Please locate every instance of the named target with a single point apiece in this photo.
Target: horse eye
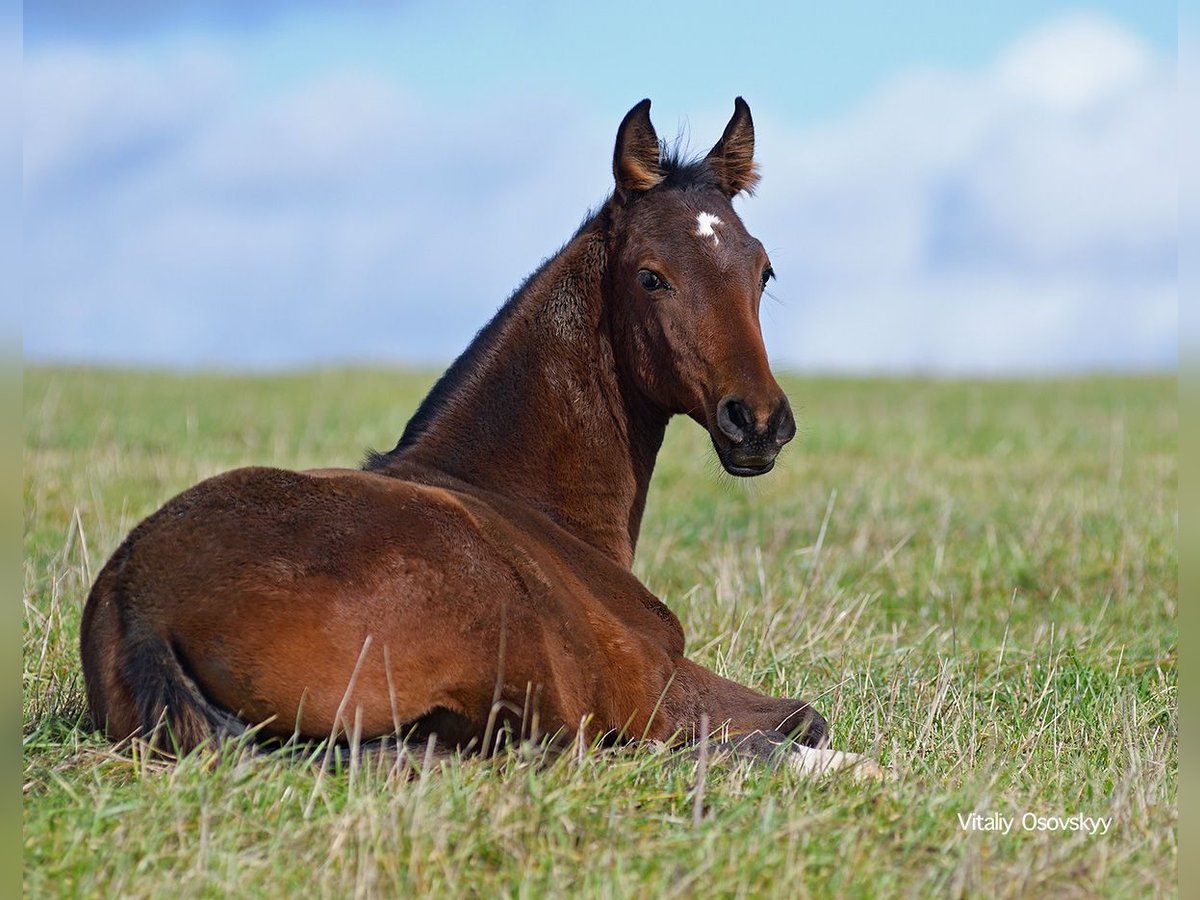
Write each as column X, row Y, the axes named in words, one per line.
column 768, row 274
column 650, row 281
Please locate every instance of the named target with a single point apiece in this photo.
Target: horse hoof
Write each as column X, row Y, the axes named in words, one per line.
column 812, row 762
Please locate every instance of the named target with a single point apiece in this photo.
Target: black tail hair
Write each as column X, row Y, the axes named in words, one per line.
column 173, row 712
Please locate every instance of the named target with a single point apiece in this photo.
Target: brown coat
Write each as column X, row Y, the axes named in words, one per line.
column 475, row 580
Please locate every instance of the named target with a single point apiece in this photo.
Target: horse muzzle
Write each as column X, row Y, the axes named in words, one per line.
column 748, row 436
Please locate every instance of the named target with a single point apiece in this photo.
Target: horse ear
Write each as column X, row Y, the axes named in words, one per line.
column 636, row 158
column 733, row 155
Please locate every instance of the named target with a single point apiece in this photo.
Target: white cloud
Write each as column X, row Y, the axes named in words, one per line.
column 1019, row 217
column 346, row 220
column 89, row 111
column 1074, row 63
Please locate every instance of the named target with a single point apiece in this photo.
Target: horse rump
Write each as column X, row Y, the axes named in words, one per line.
column 137, row 682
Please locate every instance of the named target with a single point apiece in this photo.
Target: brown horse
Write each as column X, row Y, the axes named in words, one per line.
column 474, row 582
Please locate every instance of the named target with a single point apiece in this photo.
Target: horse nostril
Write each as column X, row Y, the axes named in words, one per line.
column 734, row 418
column 785, row 430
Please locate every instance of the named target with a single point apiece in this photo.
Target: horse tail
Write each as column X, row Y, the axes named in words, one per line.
column 171, row 708
column 137, row 681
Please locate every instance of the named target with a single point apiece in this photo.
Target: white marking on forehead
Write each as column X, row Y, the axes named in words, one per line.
column 704, row 226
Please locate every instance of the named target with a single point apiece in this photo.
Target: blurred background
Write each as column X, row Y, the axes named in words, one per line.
column 980, row 189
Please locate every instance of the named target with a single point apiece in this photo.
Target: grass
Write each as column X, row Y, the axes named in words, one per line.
column 976, row 580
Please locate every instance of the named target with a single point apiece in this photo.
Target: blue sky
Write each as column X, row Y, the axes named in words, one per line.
column 947, row 187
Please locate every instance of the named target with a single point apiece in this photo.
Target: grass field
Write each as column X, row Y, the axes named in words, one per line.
column 976, row 580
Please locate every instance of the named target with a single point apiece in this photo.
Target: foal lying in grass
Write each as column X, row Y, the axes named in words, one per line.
column 474, row 582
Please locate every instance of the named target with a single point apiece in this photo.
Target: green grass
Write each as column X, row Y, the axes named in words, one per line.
column 976, row 580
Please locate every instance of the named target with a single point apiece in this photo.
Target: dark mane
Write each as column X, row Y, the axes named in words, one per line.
column 467, row 362
column 680, row 172
column 445, row 386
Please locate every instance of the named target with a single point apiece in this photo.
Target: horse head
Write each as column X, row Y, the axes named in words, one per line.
column 685, row 280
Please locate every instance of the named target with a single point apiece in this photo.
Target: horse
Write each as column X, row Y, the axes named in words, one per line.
column 474, row 583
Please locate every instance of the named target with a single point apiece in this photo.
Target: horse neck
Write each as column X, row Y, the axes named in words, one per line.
column 539, row 410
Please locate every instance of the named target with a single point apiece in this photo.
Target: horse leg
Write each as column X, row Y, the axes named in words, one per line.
column 734, row 709
column 780, row 731
column 779, row 751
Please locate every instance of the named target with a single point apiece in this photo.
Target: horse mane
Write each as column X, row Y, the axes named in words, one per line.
column 447, row 385
column 680, row 172
column 461, row 370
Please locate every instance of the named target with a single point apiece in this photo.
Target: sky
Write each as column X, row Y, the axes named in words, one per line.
column 947, row 188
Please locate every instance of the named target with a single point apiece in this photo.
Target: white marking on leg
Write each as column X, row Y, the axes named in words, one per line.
column 811, row 761
column 704, row 226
